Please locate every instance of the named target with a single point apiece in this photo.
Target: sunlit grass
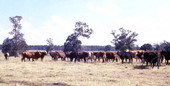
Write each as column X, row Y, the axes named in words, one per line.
column 16, row 73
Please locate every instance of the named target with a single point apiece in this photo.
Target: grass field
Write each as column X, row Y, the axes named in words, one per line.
column 49, row 73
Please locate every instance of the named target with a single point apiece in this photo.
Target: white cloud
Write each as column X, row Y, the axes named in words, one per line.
column 164, row 13
column 56, row 28
column 91, row 6
column 3, row 34
column 108, row 9
column 101, row 35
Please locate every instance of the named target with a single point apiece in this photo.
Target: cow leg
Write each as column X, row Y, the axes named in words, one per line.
column 103, row 59
column 75, row 59
column 71, row 59
column 167, row 62
column 94, row 58
column 85, row 59
column 78, row 59
column 158, row 63
column 91, row 60
column 23, row 59
column 122, row 60
column 98, row 59
column 56, row 58
column 41, row 58
column 132, row 59
column 147, row 63
column 125, row 59
column 6, row 58
column 162, row 58
column 116, row 59
column 32, row 59
column 64, row 59
column 153, row 65
column 107, row 59
column 129, row 60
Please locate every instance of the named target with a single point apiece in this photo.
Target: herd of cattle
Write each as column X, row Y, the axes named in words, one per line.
column 149, row 57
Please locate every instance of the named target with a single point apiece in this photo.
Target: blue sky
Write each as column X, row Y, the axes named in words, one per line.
column 55, row 19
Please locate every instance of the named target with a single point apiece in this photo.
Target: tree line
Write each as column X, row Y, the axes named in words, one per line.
column 61, row 47
column 122, row 40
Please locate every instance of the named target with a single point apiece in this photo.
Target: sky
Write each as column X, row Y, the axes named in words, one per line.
column 55, row 19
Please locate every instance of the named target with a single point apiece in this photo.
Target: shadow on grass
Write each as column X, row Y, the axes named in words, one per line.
column 35, row 84
column 61, row 84
column 141, row 67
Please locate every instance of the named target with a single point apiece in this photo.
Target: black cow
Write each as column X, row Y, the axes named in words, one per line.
column 166, row 54
column 126, row 56
column 72, row 55
column 6, row 55
column 152, row 58
column 78, row 56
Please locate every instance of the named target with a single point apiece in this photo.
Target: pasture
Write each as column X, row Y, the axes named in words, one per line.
column 64, row 73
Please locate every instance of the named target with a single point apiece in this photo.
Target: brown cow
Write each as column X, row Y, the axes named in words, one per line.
column 110, row 55
column 58, row 54
column 33, row 55
column 100, row 55
column 90, row 56
column 82, row 55
column 61, row 55
column 40, row 54
column 28, row 55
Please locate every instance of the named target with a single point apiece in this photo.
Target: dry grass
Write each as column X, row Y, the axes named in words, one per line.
column 49, row 73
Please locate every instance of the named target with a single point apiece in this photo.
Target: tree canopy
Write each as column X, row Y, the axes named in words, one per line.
column 165, row 46
column 72, row 42
column 124, row 40
column 16, row 44
column 107, row 48
column 146, row 46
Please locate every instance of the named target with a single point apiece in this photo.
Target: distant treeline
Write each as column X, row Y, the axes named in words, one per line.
column 58, row 47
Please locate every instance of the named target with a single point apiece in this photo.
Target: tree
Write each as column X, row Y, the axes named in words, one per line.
column 50, row 45
column 72, row 42
column 146, row 47
column 125, row 40
column 156, row 47
column 165, row 46
column 107, row 48
column 17, row 44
